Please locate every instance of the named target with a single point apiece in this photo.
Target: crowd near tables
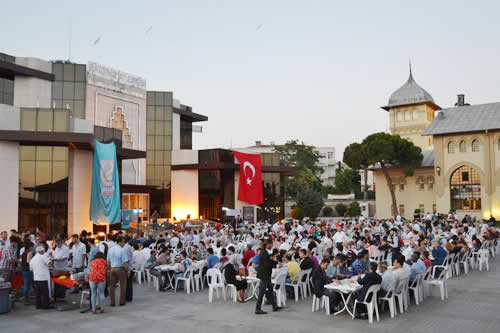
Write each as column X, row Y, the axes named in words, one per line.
column 346, row 266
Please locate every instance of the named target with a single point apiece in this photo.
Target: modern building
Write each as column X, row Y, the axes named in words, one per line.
column 461, row 154
column 205, row 184
column 327, row 160
column 51, row 111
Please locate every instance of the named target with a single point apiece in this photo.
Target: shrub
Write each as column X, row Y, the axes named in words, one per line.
column 340, row 208
column 297, row 213
column 327, row 211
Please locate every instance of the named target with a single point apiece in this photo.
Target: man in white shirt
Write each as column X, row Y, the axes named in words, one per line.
column 61, row 255
column 339, row 237
column 284, row 245
column 79, row 251
column 39, row 265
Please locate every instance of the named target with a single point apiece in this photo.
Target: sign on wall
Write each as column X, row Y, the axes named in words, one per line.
column 249, row 213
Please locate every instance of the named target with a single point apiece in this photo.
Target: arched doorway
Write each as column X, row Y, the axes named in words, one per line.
column 465, row 189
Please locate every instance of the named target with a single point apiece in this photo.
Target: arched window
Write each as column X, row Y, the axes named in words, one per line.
column 451, row 147
column 462, row 146
column 475, row 145
column 465, row 189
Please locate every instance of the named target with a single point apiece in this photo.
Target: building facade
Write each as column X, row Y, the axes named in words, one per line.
column 461, row 153
column 51, row 113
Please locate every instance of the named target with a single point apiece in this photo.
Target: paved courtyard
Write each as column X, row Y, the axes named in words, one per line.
column 473, row 306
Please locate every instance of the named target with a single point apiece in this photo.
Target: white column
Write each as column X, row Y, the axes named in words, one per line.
column 79, row 189
column 9, row 180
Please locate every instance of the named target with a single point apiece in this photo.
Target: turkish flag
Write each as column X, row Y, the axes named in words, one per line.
column 250, row 188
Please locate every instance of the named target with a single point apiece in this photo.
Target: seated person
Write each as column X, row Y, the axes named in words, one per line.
column 417, row 266
column 230, row 276
column 427, row 260
column 387, row 279
column 371, row 278
column 359, row 265
column 212, row 259
column 223, row 255
column 344, row 272
column 293, row 268
column 185, row 263
column 319, row 280
column 252, row 269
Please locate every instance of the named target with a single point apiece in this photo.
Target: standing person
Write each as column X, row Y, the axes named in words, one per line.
column 97, row 281
column 264, row 272
column 395, row 243
column 131, row 263
column 25, row 269
column 39, row 265
column 118, row 270
column 79, row 251
column 8, row 261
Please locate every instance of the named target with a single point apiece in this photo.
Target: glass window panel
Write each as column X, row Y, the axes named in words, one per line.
column 28, row 119
column 1, row 98
column 150, row 157
column 8, row 86
column 43, row 172
column 68, row 90
column 79, row 109
column 158, row 172
column 69, row 72
column 168, row 128
column 1, row 84
column 68, row 104
column 168, row 143
column 150, row 173
column 8, row 99
column 57, row 90
column 59, row 170
column 57, row 103
column 168, row 113
column 150, row 113
column 169, row 98
column 150, row 127
column 159, row 98
column 27, row 153
column 43, row 153
column 60, row 154
column 80, row 73
column 159, row 158
column 45, row 120
column 61, row 120
column 80, row 90
column 150, row 98
column 108, row 134
column 159, row 142
column 159, row 127
column 167, row 171
column 57, row 70
column 27, row 173
column 167, row 157
column 159, row 112
column 150, row 142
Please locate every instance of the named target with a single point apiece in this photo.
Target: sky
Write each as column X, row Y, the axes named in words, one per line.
column 274, row 70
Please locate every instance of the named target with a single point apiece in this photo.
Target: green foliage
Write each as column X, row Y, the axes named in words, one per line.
column 327, row 211
column 310, row 201
column 297, row 213
column 354, row 209
column 346, row 181
column 327, row 189
column 298, row 155
column 305, row 179
column 417, row 211
column 341, row 209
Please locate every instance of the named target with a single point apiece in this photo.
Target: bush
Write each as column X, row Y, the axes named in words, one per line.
column 328, row 211
column 310, row 201
column 297, row 213
column 354, row 209
column 340, row 209
column 417, row 211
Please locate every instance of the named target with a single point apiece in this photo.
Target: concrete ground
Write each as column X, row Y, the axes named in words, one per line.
column 473, row 306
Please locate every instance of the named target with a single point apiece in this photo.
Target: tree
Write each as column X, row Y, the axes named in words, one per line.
column 386, row 150
column 340, row 208
column 356, row 158
column 354, row 209
column 327, row 211
column 310, row 201
column 297, row 213
column 345, row 180
column 270, row 209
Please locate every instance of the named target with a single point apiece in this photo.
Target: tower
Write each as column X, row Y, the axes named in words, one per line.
column 411, row 110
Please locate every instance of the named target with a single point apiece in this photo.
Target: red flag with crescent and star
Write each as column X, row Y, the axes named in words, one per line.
column 250, row 187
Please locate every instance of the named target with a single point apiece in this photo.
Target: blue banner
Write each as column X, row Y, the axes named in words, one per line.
column 105, row 200
column 127, row 216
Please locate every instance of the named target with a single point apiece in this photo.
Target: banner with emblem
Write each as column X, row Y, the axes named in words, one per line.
column 250, row 187
column 105, row 203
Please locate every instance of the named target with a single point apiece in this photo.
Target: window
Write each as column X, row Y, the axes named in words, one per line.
column 402, row 210
column 465, row 189
column 330, row 155
column 422, row 208
column 421, row 185
column 462, row 146
column 475, row 145
column 451, row 147
column 431, row 186
column 401, row 187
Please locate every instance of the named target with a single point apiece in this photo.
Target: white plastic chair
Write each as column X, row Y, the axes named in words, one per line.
column 280, row 289
column 439, row 282
column 464, row 262
column 306, row 283
column 214, row 278
column 323, row 302
column 483, row 258
column 370, row 305
column 187, row 277
column 140, row 274
column 415, row 286
column 401, row 293
column 297, row 285
column 198, row 277
column 390, row 298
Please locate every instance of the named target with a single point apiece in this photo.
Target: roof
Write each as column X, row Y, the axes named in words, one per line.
column 471, row 118
column 408, row 94
column 427, row 161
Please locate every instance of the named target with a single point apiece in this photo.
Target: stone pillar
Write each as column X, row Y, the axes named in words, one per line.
column 9, row 178
column 80, row 164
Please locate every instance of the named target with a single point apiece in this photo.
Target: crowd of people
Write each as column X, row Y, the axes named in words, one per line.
column 368, row 251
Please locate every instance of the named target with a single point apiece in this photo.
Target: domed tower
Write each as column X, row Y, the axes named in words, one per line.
column 411, row 110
